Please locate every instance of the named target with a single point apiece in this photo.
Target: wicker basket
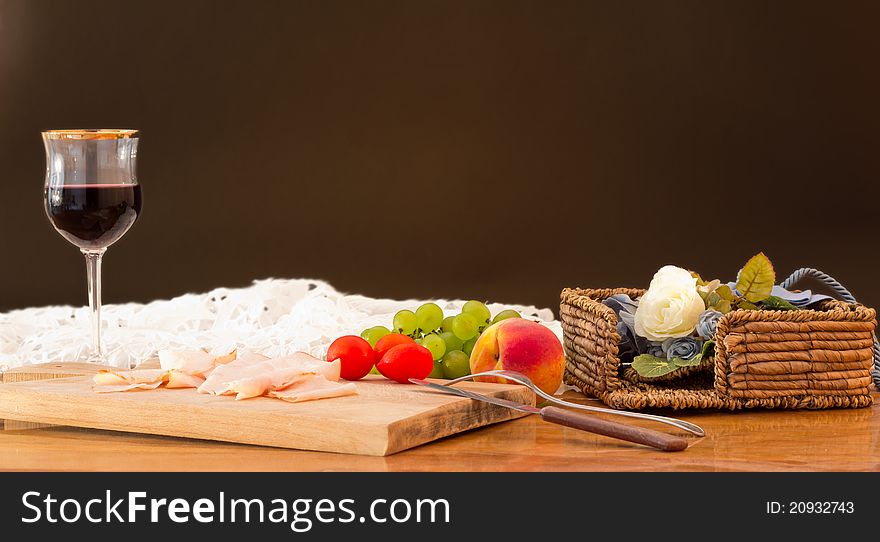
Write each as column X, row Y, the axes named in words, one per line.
column 816, row 358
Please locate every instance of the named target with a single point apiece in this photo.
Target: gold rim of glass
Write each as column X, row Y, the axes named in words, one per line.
column 95, row 133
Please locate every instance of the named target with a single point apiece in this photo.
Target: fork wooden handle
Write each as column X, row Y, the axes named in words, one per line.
column 600, row 426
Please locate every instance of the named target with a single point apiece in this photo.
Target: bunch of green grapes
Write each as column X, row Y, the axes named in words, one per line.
column 450, row 339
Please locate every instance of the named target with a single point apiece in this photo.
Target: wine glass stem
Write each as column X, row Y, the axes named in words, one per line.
column 93, row 271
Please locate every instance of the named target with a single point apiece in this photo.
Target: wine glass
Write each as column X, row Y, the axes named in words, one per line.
column 92, row 199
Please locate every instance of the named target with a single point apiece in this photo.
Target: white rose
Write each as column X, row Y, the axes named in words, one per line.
column 671, row 307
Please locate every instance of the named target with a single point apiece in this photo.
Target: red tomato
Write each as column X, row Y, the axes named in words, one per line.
column 406, row 361
column 356, row 356
column 388, row 342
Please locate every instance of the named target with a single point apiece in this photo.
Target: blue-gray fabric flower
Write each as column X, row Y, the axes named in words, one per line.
column 621, row 302
column 707, row 323
column 682, row 347
column 625, row 307
column 656, row 349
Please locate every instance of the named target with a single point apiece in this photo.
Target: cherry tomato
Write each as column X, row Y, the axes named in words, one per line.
column 388, row 342
column 405, row 361
column 356, row 356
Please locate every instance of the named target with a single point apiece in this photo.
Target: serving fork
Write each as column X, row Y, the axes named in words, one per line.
column 525, row 381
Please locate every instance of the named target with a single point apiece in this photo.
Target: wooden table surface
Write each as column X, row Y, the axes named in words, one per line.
column 838, row 440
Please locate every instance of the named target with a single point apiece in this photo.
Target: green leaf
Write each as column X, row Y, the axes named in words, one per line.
column 757, row 278
column 726, row 293
column 778, row 304
column 688, row 362
column 651, row 366
column 722, row 306
column 712, row 299
column 708, row 349
column 746, row 305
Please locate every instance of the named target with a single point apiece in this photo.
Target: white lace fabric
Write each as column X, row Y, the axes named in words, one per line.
column 274, row 317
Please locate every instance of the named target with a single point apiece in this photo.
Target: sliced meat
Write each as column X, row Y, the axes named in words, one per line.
column 217, row 382
column 294, row 378
column 193, row 362
column 178, row 379
column 126, row 387
column 135, row 376
column 109, row 380
column 279, row 373
column 313, row 387
column 250, row 377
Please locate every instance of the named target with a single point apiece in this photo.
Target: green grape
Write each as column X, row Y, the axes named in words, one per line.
column 464, row 326
column 504, row 315
column 447, row 323
column 405, row 322
column 435, row 344
column 479, row 311
column 429, row 317
column 437, row 371
column 373, row 334
column 375, row 371
column 452, row 342
column 456, row 364
column 468, row 346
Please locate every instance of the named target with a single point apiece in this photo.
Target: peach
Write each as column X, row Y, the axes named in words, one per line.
column 520, row 345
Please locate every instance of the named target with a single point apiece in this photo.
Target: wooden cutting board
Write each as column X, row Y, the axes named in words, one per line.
column 384, row 418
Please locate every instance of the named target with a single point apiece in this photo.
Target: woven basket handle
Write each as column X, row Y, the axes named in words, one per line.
column 844, row 295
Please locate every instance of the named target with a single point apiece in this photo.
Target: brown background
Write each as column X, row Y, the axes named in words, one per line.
column 497, row 150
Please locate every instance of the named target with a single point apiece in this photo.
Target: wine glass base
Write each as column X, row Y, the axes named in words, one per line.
column 98, row 359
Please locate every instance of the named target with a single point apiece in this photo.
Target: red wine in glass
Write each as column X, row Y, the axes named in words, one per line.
column 93, row 216
column 92, row 197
